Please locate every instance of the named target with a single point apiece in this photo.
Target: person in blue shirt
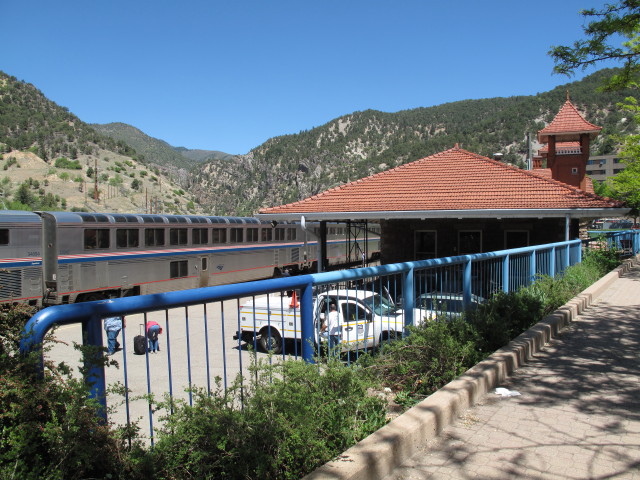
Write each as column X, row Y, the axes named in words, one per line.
column 113, row 325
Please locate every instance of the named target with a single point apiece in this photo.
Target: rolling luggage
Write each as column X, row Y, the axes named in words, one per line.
column 139, row 343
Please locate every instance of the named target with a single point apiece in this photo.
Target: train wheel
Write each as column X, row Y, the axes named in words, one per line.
column 271, row 341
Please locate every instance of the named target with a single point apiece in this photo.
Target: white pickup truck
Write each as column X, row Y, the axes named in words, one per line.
column 366, row 319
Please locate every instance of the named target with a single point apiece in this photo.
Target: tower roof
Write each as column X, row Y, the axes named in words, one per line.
column 567, row 126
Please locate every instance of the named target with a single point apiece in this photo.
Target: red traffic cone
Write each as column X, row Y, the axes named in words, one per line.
column 294, row 300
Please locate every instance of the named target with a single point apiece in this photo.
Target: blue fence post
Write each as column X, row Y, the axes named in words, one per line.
column 466, row 283
column 92, row 336
column 306, row 323
column 505, row 274
column 552, row 263
column 408, row 295
column 578, row 247
column 532, row 267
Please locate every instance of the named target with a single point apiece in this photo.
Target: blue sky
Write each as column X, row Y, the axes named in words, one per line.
column 206, row 74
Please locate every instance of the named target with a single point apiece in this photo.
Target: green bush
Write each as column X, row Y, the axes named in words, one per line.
column 503, row 317
column 432, row 355
column 289, row 419
column 49, row 429
column 64, row 162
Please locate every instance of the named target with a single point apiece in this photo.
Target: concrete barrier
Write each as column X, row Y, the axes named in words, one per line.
column 377, row 455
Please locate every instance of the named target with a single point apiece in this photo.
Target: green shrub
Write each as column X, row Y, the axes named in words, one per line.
column 64, row 162
column 289, row 419
column 49, row 429
column 432, row 355
column 503, row 317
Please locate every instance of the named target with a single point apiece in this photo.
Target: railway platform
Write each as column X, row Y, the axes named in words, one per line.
column 571, row 409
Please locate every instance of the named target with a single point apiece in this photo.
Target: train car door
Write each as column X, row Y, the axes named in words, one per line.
column 204, row 272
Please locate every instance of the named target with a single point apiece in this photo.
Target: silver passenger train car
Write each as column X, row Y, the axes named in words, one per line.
column 49, row 258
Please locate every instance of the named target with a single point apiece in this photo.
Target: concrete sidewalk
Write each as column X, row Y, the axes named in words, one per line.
column 577, row 415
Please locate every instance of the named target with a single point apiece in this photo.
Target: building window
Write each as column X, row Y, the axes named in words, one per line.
column 178, row 269
column 219, row 235
column 236, row 235
column 252, row 234
column 4, row 236
column 154, row 237
column 469, row 241
column 95, row 238
column 127, row 237
column 618, row 170
column 426, row 242
column 200, row 236
column 516, row 239
column 596, row 172
column 267, row 234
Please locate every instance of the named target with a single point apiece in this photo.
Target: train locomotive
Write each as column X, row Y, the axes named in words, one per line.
column 50, row 258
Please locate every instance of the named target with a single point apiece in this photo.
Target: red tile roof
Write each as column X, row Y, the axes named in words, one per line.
column 455, row 179
column 567, row 125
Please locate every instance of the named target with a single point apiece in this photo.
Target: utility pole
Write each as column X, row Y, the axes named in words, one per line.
column 95, row 178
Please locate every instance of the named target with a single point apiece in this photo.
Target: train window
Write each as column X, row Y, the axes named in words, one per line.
column 204, row 264
column 291, row 233
column 127, row 237
column 219, row 235
column 267, row 234
column 177, row 236
column 4, row 236
column 178, row 269
column 154, row 237
column 96, row 238
column 279, row 233
column 236, row 235
column 200, row 236
column 252, row 234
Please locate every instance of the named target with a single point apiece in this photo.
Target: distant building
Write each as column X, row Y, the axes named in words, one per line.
column 602, row 167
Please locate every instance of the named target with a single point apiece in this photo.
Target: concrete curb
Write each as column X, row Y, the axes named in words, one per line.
column 378, row 454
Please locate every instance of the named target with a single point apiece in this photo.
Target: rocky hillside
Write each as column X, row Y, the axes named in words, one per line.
column 292, row 167
column 49, row 155
column 49, row 159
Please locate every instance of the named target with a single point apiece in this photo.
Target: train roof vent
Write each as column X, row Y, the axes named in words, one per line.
column 234, row 220
column 252, row 220
column 217, row 219
column 195, row 219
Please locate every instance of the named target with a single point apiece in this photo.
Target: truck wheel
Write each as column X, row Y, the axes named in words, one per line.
column 271, row 341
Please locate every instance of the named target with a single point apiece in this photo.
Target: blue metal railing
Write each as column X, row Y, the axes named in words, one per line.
column 199, row 323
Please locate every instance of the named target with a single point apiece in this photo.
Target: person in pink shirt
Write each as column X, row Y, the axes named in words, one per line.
column 153, row 330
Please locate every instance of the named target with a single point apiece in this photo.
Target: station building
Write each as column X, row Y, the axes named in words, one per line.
column 458, row 202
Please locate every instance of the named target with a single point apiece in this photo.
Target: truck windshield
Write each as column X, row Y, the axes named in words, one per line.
column 380, row 305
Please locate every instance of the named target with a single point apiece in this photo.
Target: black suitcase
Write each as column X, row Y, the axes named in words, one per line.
column 139, row 343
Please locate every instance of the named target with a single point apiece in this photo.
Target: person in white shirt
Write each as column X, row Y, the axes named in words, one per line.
column 332, row 327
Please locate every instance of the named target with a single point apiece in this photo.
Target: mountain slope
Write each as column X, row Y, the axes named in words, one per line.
column 292, row 167
column 50, row 157
column 152, row 149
